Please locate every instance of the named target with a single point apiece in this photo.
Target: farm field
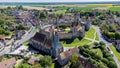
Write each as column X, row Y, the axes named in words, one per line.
column 114, row 8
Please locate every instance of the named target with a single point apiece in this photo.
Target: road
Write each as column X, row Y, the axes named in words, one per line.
column 107, row 43
column 31, row 33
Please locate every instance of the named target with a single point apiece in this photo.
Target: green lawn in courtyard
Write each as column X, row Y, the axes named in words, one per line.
column 90, row 33
column 98, row 51
column 97, row 38
column 79, row 8
column 116, row 53
column 53, row 65
column 75, row 42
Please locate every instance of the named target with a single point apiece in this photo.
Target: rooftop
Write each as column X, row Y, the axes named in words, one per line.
column 69, row 52
column 8, row 63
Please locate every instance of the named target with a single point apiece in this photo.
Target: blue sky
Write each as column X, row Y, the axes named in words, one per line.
column 55, row 0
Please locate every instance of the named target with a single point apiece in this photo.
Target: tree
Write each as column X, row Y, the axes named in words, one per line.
column 96, row 44
column 21, row 27
column 42, row 15
column 112, row 64
column 77, row 64
column 117, row 35
column 74, row 57
column 46, row 61
column 105, row 60
column 37, row 65
column 102, row 43
column 20, row 7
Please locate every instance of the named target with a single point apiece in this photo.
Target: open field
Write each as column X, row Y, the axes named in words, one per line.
column 90, row 33
column 38, row 8
column 75, row 7
column 59, row 12
column 116, row 53
column 28, row 7
column 104, row 5
column 114, row 8
column 75, row 42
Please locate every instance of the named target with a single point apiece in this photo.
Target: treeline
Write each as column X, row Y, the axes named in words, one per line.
column 106, row 61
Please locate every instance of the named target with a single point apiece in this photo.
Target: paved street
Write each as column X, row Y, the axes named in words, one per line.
column 5, row 51
column 31, row 33
column 26, row 37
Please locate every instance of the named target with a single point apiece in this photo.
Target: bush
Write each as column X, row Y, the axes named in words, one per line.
column 102, row 43
column 117, row 35
column 104, row 60
column 112, row 64
column 46, row 61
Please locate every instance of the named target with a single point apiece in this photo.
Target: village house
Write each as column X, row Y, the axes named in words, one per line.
column 31, row 61
column 2, row 37
column 64, row 57
column 117, row 45
column 19, row 34
column 9, row 63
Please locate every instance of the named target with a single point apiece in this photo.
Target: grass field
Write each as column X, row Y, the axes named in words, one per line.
column 90, row 33
column 116, row 53
column 97, row 38
column 75, row 7
column 59, row 12
column 98, row 51
column 75, row 42
column 114, row 8
column 106, row 5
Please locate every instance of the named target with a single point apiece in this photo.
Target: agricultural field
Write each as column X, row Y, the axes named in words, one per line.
column 114, row 8
column 104, row 5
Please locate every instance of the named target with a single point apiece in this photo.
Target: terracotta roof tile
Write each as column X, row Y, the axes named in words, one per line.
column 31, row 61
column 8, row 63
column 69, row 52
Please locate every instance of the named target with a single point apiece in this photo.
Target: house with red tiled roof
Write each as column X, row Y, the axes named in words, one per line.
column 31, row 61
column 9, row 63
column 2, row 37
column 64, row 57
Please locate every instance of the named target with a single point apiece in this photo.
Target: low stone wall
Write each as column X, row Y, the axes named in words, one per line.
column 69, row 35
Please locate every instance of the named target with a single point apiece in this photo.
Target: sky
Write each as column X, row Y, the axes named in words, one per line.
column 55, row 0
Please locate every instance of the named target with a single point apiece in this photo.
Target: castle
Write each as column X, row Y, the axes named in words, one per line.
column 47, row 39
